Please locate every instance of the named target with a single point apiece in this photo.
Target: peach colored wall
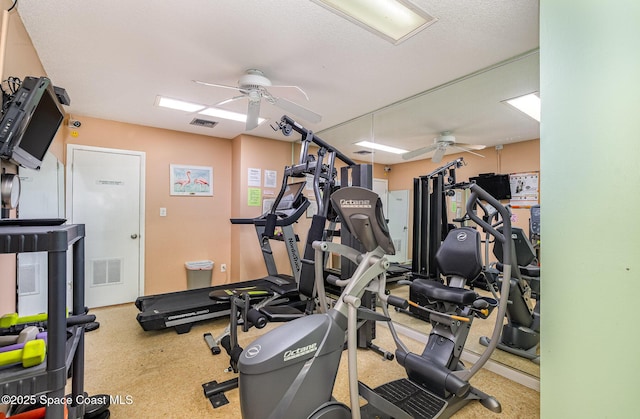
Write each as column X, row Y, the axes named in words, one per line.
column 195, row 228
column 264, row 154
column 20, row 60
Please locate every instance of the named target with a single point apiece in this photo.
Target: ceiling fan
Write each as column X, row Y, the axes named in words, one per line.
column 440, row 145
column 253, row 86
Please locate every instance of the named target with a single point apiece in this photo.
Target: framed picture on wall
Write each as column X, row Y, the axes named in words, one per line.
column 191, row 180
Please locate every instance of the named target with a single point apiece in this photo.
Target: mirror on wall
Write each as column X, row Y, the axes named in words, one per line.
column 472, row 109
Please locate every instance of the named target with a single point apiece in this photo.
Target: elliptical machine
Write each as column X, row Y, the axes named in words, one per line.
column 290, row 371
column 521, row 334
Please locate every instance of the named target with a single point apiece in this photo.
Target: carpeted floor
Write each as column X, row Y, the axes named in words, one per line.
column 160, row 374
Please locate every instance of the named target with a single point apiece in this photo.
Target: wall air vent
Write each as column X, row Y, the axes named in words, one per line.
column 362, row 152
column 203, row 123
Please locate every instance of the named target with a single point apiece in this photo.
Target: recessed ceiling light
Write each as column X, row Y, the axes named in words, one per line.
column 528, row 104
column 381, row 147
column 393, row 20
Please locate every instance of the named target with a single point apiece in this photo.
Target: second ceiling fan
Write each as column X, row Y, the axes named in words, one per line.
column 440, row 145
column 253, row 86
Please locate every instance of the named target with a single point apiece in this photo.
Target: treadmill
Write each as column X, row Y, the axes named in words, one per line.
column 183, row 308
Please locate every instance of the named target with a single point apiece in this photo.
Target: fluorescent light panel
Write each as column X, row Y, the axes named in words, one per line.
column 528, row 104
column 233, row 116
column 381, row 147
column 394, row 20
column 181, row 105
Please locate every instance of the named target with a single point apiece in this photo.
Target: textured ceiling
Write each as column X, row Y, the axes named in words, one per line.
column 115, row 57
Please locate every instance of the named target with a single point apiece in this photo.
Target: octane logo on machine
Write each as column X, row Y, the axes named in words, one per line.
column 355, row 203
column 295, row 353
column 252, row 351
column 462, row 236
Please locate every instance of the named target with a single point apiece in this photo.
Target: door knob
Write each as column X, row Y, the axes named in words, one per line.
column 134, row 236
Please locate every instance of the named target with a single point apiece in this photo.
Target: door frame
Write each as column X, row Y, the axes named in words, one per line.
column 405, row 221
column 385, row 201
column 141, row 217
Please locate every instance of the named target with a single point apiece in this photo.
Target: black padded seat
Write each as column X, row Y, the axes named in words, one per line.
column 459, row 254
column 282, row 285
column 434, row 290
column 283, row 313
column 529, row 270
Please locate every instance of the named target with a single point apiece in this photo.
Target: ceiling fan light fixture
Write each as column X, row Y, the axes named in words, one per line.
column 393, row 20
column 528, row 104
column 381, row 147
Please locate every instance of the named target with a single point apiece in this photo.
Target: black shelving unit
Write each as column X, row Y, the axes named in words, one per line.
column 49, row 378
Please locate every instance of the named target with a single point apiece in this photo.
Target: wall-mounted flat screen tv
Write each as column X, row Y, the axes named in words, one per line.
column 30, row 122
column 496, row 185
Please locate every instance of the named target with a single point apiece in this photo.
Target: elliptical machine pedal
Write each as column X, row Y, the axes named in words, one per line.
column 411, row 400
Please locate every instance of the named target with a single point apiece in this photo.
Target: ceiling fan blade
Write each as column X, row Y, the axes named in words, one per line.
column 471, row 146
column 216, row 85
column 224, row 102
column 437, row 156
column 467, row 150
column 415, row 153
column 252, row 114
column 292, row 87
column 298, row 110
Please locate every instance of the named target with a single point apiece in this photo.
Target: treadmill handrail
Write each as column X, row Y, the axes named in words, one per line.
column 281, row 221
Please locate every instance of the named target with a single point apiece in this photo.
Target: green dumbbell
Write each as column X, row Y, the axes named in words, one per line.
column 32, row 354
column 12, row 319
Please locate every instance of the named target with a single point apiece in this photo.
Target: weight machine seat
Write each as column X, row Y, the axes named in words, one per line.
column 459, row 256
column 283, row 313
column 434, row 290
column 282, row 285
column 529, row 270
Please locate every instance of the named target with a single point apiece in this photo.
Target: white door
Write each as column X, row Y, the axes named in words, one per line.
column 399, row 224
column 41, row 196
column 106, row 193
column 381, row 187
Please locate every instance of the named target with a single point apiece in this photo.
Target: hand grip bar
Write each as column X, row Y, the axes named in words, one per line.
column 397, row 302
column 478, row 193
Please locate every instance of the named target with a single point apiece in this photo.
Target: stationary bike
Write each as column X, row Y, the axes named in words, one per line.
column 290, row 371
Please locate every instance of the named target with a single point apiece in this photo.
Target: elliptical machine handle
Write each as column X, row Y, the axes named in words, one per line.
column 478, row 193
column 397, row 302
column 508, row 256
